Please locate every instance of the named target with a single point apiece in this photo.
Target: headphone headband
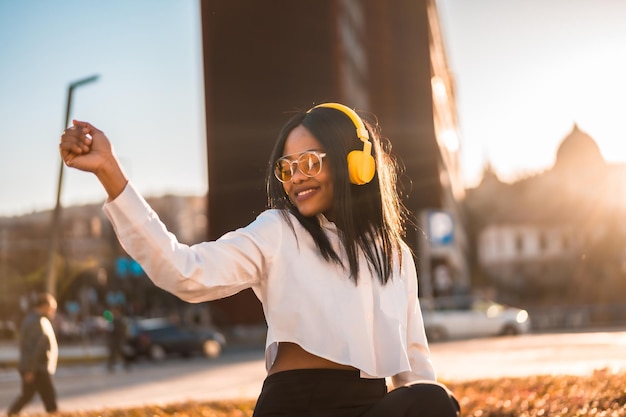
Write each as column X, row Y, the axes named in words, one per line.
column 361, row 131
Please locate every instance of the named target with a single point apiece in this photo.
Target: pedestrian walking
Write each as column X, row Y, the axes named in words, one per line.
column 38, row 355
column 116, row 339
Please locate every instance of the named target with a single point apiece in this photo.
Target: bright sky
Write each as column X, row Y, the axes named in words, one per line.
column 148, row 99
column 525, row 71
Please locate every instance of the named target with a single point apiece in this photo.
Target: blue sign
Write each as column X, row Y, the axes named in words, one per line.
column 116, row 298
column 440, row 228
column 127, row 266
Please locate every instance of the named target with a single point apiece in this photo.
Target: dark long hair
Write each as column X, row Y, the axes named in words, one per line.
column 370, row 216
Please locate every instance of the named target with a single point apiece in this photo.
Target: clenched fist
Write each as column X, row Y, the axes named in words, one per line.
column 87, row 148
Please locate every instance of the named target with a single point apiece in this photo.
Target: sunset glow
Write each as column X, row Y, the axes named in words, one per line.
column 519, row 92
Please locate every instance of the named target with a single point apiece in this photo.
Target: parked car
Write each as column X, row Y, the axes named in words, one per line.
column 158, row 338
column 465, row 317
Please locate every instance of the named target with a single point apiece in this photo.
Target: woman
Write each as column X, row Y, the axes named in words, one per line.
column 327, row 261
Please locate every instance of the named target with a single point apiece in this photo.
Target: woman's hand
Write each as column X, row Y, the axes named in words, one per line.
column 86, row 148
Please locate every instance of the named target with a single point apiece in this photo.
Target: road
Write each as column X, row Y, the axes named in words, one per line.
column 236, row 374
column 239, row 373
column 535, row 354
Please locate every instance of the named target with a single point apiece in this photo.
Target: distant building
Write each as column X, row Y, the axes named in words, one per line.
column 554, row 234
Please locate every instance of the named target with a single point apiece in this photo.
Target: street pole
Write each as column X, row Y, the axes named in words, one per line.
column 51, row 278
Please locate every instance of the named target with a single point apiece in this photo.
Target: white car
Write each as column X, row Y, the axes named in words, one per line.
column 467, row 317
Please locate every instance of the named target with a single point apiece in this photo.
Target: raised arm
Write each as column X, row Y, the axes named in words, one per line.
column 88, row 149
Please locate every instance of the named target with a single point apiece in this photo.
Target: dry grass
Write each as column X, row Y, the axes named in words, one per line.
column 602, row 394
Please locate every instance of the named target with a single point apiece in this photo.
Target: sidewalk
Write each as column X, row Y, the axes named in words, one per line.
column 68, row 353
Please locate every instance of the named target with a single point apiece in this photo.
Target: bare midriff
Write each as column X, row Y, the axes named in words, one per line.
column 291, row 356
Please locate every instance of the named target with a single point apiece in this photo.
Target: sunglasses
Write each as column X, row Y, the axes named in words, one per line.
column 309, row 163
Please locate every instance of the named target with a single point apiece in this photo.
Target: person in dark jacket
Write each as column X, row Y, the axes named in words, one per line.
column 115, row 340
column 38, row 355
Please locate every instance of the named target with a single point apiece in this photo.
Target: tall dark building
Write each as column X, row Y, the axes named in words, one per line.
column 263, row 60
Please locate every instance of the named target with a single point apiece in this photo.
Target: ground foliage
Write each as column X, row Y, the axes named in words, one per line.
column 602, row 394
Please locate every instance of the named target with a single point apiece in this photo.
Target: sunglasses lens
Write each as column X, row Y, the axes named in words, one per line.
column 282, row 170
column 310, row 164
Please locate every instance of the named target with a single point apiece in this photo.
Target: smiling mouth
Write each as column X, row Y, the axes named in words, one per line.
column 304, row 193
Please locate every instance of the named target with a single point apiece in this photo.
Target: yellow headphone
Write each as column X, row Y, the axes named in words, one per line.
column 361, row 164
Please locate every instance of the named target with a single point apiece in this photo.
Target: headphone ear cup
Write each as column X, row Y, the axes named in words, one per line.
column 361, row 167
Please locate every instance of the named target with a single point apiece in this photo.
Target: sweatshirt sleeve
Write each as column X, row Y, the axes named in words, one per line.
column 195, row 273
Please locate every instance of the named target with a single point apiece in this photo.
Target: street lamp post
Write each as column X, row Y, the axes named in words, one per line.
column 51, row 278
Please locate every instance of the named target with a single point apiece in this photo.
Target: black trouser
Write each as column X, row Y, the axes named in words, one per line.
column 41, row 384
column 116, row 351
column 338, row 393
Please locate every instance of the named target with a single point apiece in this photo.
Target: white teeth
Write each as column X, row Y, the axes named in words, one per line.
column 304, row 192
